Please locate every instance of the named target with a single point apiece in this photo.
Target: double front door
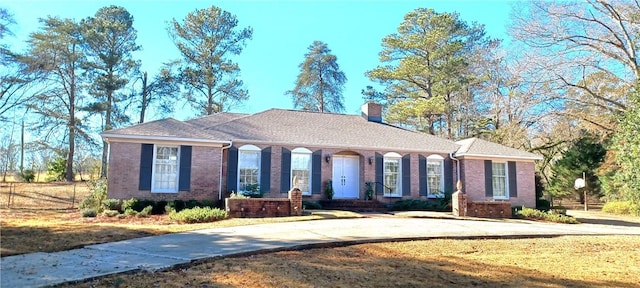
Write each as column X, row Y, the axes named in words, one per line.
column 346, row 177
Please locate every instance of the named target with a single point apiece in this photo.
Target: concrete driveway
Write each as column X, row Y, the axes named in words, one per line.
column 164, row 251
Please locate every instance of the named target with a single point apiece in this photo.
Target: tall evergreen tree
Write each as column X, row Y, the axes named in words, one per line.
column 320, row 82
column 56, row 52
column 626, row 152
column 110, row 40
column 425, row 69
column 206, row 38
column 584, row 156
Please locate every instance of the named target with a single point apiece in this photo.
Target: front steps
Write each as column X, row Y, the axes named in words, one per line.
column 353, row 205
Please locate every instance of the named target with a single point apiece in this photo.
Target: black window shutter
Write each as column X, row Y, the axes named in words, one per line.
column 488, row 178
column 316, row 172
column 406, row 175
column 146, row 167
column 184, row 180
column 232, row 169
column 422, row 170
column 285, row 173
column 379, row 174
column 513, row 181
column 448, row 175
column 265, row 170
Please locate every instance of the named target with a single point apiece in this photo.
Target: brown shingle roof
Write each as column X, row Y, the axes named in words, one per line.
column 483, row 148
column 166, row 128
column 328, row 130
column 215, row 119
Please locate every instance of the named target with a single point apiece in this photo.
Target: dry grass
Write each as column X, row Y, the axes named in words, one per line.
column 55, row 195
column 31, row 230
column 571, row 261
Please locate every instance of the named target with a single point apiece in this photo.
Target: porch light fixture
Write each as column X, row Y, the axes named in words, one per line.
column 370, row 160
column 327, row 158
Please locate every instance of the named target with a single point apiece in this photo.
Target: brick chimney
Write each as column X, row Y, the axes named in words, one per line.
column 372, row 112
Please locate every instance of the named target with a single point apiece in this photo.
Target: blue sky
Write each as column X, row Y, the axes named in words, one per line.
column 283, row 30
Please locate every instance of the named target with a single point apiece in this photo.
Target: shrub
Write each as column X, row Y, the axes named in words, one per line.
column 420, row 205
column 253, row 191
column 111, row 204
column 145, row 211
column 621, row 208
column 129, row 204
column 191, row 204
column 529, row 213
column 88, row 212
column 311, row 205
column 98, row 193
column 141, row 204
column 110, row 213
column 159, row 207
column 543, row 204
column 28, row 175
column 235, row 195
column 56, row 169
column 198, row 215
column 130, row 212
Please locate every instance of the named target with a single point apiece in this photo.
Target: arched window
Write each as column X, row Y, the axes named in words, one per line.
column 301, row 170
column 392, row 175
column 435, row 176
column 248, row 168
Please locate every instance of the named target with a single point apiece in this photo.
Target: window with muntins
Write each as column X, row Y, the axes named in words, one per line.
column 392, row 175
column 301, row 170
column 165, row 169
column 248, row 168
column 435, row 182
column 500, row 188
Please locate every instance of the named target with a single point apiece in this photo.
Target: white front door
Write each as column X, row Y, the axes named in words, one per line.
column 346, row 177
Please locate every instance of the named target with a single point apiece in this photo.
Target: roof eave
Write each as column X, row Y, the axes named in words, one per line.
column 337, row 146
column 138, row 138
column 498, row 156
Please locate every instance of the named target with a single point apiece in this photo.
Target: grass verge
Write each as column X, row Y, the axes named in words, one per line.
column 31, row 230
column 569, row 261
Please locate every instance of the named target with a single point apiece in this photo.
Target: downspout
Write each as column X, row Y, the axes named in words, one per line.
column 221, row 164
column 457, row 167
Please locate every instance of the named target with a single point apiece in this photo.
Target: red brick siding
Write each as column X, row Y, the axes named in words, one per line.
column 472, row 171
column 124, row 171
column 367, row 171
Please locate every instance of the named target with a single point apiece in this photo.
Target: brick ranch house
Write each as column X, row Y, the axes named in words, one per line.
column 275, row 150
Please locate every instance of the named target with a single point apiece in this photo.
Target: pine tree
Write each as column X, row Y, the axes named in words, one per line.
column 320, row 82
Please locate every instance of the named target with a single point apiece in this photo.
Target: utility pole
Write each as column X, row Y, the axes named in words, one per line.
column 586, row 206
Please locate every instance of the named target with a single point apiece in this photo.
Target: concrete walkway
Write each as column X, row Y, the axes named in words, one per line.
column 160, row 252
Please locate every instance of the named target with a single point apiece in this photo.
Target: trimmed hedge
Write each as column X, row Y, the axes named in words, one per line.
column 311, row 205
column 534, row 214
column 440, row 205
column 198, row 215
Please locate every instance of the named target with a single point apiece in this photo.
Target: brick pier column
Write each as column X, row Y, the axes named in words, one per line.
column 459, row 204
column 295, row 199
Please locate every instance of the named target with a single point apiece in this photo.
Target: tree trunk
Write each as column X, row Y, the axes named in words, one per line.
column 145, row 96
column 72, row 126
column 107, row 126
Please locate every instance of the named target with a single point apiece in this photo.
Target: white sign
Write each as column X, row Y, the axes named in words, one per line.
column 579, row 183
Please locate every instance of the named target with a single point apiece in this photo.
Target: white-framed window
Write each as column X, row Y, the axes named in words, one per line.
column 301, row 170
column 392, row 175
column 500, row 180
column 164, row 178
column 435, row 176
column 248, row 168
